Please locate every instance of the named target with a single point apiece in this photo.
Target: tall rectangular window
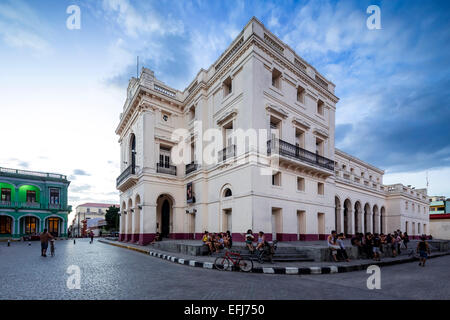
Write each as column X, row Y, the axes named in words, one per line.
column 31, row 196
column 300, row 184
column 320, row 188
column 227, row 86
column 276, row 179
column 276, row 79
column 5, row 195
column 54, row 196
column 320, row 107
column 300, row 138
column 300, row 94
column 164, row 157
column 319, row 147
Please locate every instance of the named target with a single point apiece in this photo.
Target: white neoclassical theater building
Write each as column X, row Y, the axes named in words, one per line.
column 185, row 167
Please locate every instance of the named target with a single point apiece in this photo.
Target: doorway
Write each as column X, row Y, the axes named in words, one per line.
column 165, row 219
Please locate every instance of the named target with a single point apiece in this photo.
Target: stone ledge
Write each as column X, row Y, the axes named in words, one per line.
column 274, row 270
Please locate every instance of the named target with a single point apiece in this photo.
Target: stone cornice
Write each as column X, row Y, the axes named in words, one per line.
column 228, row 115
column 320, row 132
column 341, row 153
column 301, row 123
column 280, row 111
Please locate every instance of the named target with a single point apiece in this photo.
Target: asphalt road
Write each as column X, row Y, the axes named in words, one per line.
column 108, row 272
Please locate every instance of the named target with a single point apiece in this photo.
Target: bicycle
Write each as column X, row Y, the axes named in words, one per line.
column 268, row 251
column 233, row 259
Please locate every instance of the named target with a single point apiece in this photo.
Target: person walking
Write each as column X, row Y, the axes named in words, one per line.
column 424, row 250
column 91, row 234
column 45, row 237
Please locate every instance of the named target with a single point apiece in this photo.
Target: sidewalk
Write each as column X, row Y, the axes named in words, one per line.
column 207, row 262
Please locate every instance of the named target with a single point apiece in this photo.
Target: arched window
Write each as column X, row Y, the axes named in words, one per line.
column 5, row 225
column 228, row 193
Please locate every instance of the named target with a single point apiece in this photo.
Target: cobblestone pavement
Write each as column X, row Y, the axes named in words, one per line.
column 109, row 272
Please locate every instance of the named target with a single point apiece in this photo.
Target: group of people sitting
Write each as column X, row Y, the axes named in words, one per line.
column 371, row 245
column 337, row 246
column 217, row 241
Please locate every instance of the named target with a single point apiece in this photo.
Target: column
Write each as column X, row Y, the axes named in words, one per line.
column 148, row 224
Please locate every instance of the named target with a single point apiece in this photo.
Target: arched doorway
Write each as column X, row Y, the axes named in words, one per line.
column 383, row 220
column 6, row 225
column 29, row 225
column 348, row 217
column 226, row 209
column 376, row 219
column 54, row 226
column 337, row 215
column 367, row 218
column 358, row 224
column 164, row 211
column 165, row 219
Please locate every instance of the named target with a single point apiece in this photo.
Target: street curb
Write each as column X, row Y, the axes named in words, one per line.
column 274, row 270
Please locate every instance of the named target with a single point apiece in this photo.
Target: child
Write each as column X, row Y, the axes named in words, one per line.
column 261, row 241
column 424, row 250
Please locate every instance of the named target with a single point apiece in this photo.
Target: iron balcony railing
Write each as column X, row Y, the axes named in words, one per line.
column 166, row 168
column 286, row 149
column 32, row 205
column 227, row 153
column 128, row 171
column 191, row 167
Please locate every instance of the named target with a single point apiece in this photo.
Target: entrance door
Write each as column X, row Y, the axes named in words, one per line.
column 53, row 226
column 226, row 221
column 165, row 219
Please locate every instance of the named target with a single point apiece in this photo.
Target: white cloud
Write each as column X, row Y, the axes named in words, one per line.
column 136, row 22
column 20, row 27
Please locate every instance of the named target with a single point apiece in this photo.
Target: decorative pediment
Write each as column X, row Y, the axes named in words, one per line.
column 301, row 123
column 320, row 132
column 228, row 115
column 280, row 111
column 165, row 139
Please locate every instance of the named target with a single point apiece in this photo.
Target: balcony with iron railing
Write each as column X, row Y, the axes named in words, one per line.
column 166, row 168
column 130, row 170
column 285, row 149
column 227, row 153
column 33, row 206
column 191, row 167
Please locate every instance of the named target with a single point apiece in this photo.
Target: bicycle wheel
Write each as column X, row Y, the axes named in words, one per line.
column 245, row 265
column 222, row 263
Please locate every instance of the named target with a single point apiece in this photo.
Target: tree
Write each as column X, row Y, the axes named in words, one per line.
column 112, row 218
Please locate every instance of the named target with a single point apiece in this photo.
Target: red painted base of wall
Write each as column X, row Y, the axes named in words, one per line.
column 146, row 238
column 121, row 236
column 134, row 238
column 182, row 236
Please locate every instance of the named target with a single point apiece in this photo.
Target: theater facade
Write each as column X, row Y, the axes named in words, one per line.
column 32, row 201
column 273, row 166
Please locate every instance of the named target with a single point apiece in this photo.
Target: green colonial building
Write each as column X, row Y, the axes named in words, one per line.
column 32, row 201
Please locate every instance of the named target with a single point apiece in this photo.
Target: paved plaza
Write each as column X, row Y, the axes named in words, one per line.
column 109, row 272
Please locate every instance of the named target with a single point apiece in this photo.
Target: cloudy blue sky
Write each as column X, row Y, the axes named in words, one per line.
column 62, row 90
